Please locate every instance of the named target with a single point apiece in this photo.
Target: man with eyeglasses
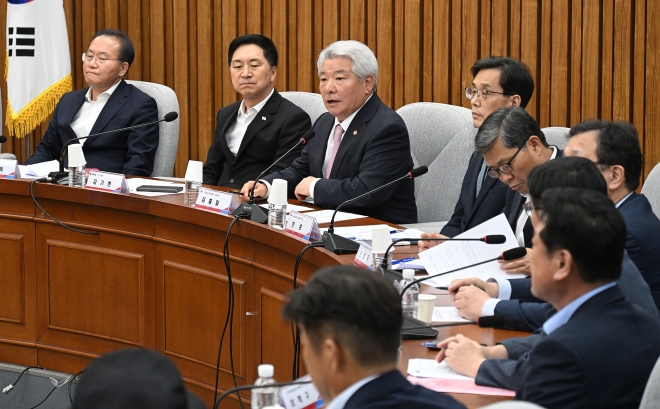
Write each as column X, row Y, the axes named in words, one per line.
column 614, row 147
column 498, row 82
column 109, row 103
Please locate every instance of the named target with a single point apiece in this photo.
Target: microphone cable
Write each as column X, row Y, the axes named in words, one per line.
column 9, row 387
column 229, row 320
column 34, row 199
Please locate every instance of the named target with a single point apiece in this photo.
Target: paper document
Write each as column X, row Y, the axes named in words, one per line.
column 39, row 169
column 447, row 314
column 134, row 183
column 324, row 216
column 459, row 386
column 429, row 368
column 297, row 208
column 357, row 233
column 452, row 255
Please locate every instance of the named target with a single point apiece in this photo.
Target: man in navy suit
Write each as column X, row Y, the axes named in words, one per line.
column 350, row 322
column 584, row 357
column 251, row 134
column 614, row 147
column 360, row 144
column 107, row 104
column 498, row 82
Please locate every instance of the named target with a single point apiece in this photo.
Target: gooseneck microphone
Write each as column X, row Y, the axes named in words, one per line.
column 413, row 328
column 255, row 212
column 341, row 245
column 490, row 239
column 56, row 177
column 249, row 387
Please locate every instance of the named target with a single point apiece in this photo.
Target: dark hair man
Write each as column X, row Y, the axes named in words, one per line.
column 360, row 144
column 350, row 322
column 614, row 147
column 252, row 133
column 108, row 103
column 577, row 255
column 498, row 82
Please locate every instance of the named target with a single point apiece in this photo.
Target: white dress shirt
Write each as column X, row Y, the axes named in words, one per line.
column 244, row 118
column 89, row 112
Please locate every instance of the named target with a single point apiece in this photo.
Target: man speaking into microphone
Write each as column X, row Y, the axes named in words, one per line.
column 360, row 144
column 108, row 103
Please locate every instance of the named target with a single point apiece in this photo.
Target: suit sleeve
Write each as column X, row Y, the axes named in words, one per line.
column 215, row 159
column 508, row 373
column 293, row 129
column 51, row 144
column 386, row 157
column 521, row 289
column 142, row 142
column 453, row 226
column 523, row 316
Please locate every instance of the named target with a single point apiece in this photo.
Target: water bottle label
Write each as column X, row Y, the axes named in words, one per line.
column 107, row 182
column 303, row 226
column 303, row 396
column 9, row 169
column 364, row 256
column 216, row 201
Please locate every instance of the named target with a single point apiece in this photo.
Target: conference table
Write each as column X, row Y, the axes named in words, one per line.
column 152, row 275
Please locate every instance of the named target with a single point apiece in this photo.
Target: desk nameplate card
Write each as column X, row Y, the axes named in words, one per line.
column 304, row 396
column 364, row 257
column 303, row 226
column 216, row 201
column 107, row 182
column 9, row 169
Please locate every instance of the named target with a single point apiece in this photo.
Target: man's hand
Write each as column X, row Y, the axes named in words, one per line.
column 302, row 190
column 423, row 245
column 469, row 301
column 260, row 191
column 462, row 355
column 492, row 289
column 519, row 265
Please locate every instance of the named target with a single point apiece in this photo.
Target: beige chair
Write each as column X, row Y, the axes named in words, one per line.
column 309, row 102
column 651, row 189
column 556, row 135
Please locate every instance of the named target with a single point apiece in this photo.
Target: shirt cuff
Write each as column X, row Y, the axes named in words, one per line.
column 489, row 307
column 504, row 288
column 267, row 188
column 311, row 187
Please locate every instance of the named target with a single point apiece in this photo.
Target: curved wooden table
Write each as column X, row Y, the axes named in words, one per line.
column 153, row 277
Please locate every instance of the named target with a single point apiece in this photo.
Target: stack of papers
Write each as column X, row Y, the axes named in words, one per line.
column 440, row 377
column 324, row 216
column 448, row 315
column 38, row 170
column 363, row 233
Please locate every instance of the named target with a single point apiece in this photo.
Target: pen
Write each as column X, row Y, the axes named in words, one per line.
column 403, row 260
column 434, row 345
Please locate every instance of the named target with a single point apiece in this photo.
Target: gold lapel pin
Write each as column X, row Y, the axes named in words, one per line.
column 354, row 132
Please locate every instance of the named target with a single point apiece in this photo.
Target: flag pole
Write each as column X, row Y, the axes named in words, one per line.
column 27, row 146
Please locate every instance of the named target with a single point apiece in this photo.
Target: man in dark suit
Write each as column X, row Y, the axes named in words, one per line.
column 361, row 144
column 498, row 82
column 350, row 322
column 107, row 104
column 614, row 147
column 584, row 358
column 251, row 134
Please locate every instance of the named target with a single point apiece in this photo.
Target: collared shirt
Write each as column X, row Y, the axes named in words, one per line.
column 562, row 316
column 244, row 118
column 89, row 112
column 620, row 202
column 340, row 400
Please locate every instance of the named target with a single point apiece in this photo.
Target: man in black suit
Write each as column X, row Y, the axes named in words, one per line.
column 614, row 147
column 584, row 358
column 251, row 134
column 350, row 322
column 361, row 144
column 107, row 104
column 498, row 82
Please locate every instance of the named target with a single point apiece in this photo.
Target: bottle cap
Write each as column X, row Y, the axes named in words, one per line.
column 266, row 370
column 408, row 273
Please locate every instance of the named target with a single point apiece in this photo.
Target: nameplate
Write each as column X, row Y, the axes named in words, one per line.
column 107, row 182
column 364, row 257
column 216, row 201
column 303, row 226
column 9, row 169
column 304, row 396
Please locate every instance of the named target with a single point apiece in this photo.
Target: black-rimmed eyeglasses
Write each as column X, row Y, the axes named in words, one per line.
column 482, row 94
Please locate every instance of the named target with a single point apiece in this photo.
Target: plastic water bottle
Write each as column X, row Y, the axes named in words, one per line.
column 409, row 299
column 277, row 216
column 77, row 176
column 267, row 396
column 192, row 191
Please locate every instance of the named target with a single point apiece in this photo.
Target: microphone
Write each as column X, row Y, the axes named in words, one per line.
column 490, row 239
column 255, row 212
column 249, row 387
column 341, row 245
column 410, row 330
column 491, row 321
column 3, row 139
column 56, row 177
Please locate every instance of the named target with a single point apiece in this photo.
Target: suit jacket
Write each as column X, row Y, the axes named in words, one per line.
column 391, row 391
column 588, row 362
column 265, row 140
column 472, row 210
column 524, row 312
column 130, row 152
column 375, row 150
column 643, row 240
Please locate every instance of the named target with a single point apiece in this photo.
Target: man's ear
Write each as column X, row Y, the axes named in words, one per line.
column 563, row 263
column 516, row 100
column 333, row 355
column 617, row 177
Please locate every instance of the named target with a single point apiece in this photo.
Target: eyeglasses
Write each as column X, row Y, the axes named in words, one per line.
column 505, row 167
column 481, row 93
column 100, row 60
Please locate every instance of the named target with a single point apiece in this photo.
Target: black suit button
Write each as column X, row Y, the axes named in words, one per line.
column 231, row 180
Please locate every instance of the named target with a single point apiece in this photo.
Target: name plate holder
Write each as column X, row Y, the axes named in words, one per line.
column 9, row 169
column 304, row 396
column 302, row 226
column 364, row 257
column 216, row 201
column 107, row 182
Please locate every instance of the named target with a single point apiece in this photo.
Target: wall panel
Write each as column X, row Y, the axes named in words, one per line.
column 589, row 57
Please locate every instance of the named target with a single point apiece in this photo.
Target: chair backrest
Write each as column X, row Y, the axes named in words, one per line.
column 651, row 189
column 556, row 135
column 510, row 404
column 168, row 141
column 308, row 101
column 651, row 397
column 7, row 156
column 442, row 138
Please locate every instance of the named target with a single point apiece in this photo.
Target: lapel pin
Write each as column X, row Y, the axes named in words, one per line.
column 263, row 118
column 354, row 132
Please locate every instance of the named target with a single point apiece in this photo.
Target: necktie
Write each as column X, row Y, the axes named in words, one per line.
column 481, row 177
column 337, row 140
